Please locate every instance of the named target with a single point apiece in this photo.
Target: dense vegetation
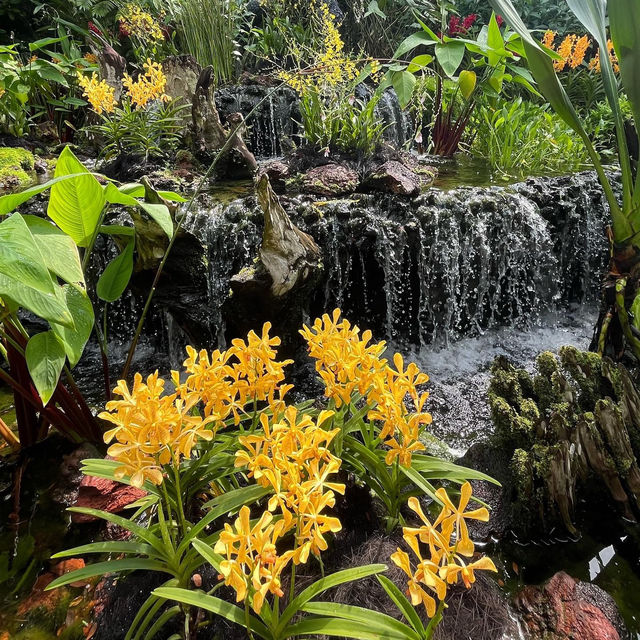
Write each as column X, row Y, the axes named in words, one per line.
column 237, row 476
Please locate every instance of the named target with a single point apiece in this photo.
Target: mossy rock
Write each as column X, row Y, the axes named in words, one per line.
column 16, row 165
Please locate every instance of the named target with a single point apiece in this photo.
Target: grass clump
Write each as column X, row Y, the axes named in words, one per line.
column 15, row 163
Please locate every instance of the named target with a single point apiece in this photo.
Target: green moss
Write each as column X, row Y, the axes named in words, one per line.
column 15, row 163
column 33, row 633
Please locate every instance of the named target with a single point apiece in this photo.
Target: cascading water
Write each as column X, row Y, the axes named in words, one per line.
column 427, row 270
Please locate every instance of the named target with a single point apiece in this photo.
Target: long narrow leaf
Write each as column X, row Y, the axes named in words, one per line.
column 371, row 619
column 214, row 605
column 400, row 600
column 340, row 577
column 103, row 568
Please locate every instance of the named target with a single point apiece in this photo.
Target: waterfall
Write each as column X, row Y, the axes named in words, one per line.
column 448, row 264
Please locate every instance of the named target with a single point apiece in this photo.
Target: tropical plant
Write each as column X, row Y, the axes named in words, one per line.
column 36, row 89
column 227, row 430
column 493, row 60
column 41, row 272
column 519, row 138
column 148, row 36
column 448, row 544
column 620, row 298
column 209, row 31
column 147, row 123
column 328, row 81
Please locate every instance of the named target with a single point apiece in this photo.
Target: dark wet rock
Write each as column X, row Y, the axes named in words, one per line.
column 566, row 609
column 330, row 180
column 182, row 74
column 70, row 476
column 573, row 431
column 104, row 494
column 278, row 173
column 394, row 177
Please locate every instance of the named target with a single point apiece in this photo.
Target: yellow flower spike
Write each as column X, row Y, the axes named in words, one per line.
column 464, row 545
column 579, row 51
column 100, row 95
column 452, row 571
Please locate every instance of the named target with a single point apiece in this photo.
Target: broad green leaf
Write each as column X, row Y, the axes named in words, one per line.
column 44, row 42
column 495, row 42
column 59, row 251
column 137, row 190
column 333, row 580
column 76, row 205
column 158, row 212
column 48, row 306
column 75, row 339
column 420, row 482
column 213, row 558
column 450, row 56
column 401, row 601
column 403, row 82
column 373, row 620
column 419, row 63
column 374, row 9
column 593, row 15
column 115, row 546
column 214, row 605
column 114, row 279
column 105, row 568
column 140, row 532
column 415, row 40
column 467, row 83
column 117, row 230
column 45, row 358
column 20, row 256
column 11, row 201
column 223, row 505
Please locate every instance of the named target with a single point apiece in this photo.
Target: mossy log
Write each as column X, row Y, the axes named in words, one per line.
column 577, row 419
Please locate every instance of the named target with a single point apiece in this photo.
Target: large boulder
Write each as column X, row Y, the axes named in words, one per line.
column 566, row 609
column 394, row 177
column 330, row 180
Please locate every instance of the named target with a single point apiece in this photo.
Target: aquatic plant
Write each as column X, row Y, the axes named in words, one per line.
column 621, row 289
column 228, row 431
column 519, row 138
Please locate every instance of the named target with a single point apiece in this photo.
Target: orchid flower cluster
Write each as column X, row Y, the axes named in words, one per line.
column 573, row 49
column 449, row 550
column 148, row 88
column 153, row 429
column 291, row 456
column 347, row 363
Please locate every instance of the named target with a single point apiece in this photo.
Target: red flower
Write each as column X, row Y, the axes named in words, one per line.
column 454, row 26
column 92, row 27
column 123, row 30
column 500, row 20
column 469, row 21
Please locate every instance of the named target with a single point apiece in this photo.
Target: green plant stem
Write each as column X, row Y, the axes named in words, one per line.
column 247, row 617
column 435, row 621
column 156, row 279
column 176, row 475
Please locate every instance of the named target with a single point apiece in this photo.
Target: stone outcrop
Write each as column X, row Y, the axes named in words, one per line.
column 566, row 609
column 576, row 421
column 394, row 177
column 330, row 180
column 104, row 494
